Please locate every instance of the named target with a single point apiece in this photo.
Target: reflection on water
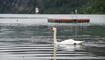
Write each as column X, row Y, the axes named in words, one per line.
column 36, row 43
column 71, row 47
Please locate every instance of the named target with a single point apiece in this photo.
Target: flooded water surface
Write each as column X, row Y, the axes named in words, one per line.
column 36, row 43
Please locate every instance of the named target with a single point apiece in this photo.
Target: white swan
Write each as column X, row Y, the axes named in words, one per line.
column 65, row 42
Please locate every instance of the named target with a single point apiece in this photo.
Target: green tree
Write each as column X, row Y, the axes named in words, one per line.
column 95, row 7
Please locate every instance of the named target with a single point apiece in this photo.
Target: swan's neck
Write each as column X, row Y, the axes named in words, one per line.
column 54, row 36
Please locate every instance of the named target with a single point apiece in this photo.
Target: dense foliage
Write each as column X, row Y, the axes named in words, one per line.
column 94, row 7
column 52, row 6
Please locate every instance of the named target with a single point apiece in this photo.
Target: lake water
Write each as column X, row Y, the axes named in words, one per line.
column 41, row 19
column 36, row 43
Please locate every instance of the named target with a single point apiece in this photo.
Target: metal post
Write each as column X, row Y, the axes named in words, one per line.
column 76, row 26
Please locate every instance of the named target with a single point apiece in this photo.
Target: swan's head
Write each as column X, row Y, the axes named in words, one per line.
column 54, row 29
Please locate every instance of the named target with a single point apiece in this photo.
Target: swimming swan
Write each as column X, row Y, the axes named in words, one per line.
column 65, row 42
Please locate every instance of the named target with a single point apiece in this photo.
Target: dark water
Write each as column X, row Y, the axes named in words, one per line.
column 36, row 43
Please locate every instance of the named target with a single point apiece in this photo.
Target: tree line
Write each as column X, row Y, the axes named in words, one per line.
column 52, row 6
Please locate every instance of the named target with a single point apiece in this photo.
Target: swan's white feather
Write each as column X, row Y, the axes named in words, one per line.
column 70, row 41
